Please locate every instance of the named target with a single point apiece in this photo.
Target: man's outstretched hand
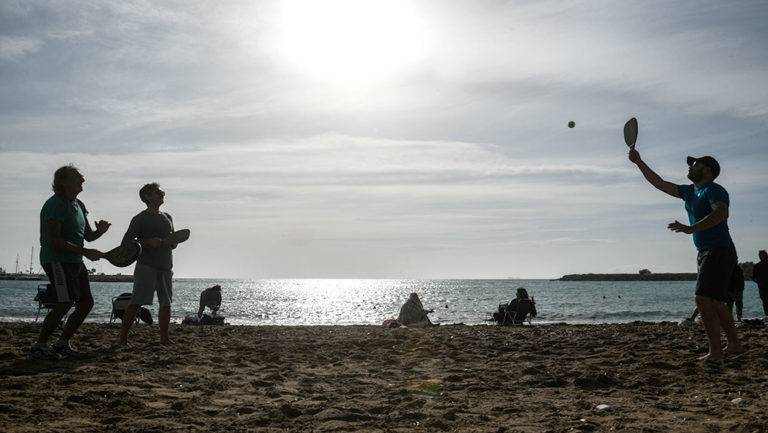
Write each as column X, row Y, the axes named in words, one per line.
column 679, row 227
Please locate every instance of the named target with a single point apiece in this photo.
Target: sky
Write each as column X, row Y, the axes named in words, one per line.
column 386, row 139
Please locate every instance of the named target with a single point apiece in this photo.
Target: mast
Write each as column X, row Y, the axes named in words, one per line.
column 31, row 254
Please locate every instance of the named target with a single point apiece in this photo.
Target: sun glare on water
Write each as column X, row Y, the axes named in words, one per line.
column 350, row 40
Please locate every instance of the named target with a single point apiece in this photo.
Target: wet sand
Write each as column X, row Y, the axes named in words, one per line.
column 541, row 378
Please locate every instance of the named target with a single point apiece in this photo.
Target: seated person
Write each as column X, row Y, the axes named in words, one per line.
column 516, row 310
column 413, row 314
column 211, row 298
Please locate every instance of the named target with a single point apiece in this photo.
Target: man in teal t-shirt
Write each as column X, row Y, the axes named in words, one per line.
column 707, row 205
column 64, row 227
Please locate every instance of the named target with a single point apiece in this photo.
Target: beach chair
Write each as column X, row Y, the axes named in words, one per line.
column 522, row 313
column 46, row 298
column 120, row 303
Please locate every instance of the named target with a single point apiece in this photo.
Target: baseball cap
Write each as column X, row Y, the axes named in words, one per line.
column 708, row 161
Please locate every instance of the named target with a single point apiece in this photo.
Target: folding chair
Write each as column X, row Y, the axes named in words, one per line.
column 120, row 303
column 46, row 298
column 522, row 313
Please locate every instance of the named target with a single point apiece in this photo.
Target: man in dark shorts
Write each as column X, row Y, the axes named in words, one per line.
column 64, row 227
column 707, row 205
column 153, row 268
column 760, row 276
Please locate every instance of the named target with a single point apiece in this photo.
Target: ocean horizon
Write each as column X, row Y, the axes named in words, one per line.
column 313, row 302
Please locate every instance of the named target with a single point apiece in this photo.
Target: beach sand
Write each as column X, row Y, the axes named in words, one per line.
column 541, row 378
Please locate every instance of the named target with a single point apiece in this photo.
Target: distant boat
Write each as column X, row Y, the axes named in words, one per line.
column 27, row 276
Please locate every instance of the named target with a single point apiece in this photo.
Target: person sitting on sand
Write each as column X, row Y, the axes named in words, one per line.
column 211, row 298
column 508, row 313
column 413, row 314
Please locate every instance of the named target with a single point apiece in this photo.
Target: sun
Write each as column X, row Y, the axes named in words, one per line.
column 350, row 40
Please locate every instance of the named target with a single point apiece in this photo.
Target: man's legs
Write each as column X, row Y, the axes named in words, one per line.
column 52, row 320
column 726, row 323
column 764, row 298
column 76, row 319
column 715, row 315
column 164, row 319
column 165, row 298
column 128, row 317
column 711, row 321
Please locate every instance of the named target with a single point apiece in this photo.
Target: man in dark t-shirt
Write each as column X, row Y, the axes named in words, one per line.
column 153, row 272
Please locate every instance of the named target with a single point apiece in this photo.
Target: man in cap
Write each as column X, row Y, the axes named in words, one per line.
column 707, row 205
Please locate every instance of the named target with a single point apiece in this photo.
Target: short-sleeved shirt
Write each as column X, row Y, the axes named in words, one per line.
column 698, row 204
column 72, row 218
column 147, row 225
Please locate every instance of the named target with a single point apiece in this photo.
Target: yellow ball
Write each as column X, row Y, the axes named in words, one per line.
column 571, row 124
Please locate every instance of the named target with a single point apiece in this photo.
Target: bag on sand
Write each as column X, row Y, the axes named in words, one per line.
column 192, row 319
column 390, row 323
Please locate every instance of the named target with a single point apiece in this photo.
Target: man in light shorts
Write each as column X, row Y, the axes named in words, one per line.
column 153, row 270
column 64, row 227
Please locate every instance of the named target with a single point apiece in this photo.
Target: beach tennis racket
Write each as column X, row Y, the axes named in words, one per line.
column 177, row 237
column 630, row 132
column 124, row 255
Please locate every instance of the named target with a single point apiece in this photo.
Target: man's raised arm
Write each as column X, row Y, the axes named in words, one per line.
column 651, row 176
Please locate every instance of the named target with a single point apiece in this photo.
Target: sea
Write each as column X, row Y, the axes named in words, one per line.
column 313, row 302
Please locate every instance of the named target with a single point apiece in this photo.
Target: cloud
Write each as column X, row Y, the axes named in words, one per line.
column 463, row 153
column 15, row 47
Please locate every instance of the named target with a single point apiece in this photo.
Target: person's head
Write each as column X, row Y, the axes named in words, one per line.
column 763, row 255
column 522, row 293
column 702, row 170
column 67, row 181
column 152, row 194
column 217, row 288
column 414, row 297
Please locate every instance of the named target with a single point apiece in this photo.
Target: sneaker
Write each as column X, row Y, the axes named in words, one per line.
column 42, row 352
column 64, row 349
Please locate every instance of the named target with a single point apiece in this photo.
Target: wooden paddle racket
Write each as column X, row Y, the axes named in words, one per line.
column 177, row 237
column 124, row 255
column 630, row 133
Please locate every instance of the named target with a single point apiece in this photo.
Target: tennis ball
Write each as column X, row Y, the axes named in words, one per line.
column 571, row 124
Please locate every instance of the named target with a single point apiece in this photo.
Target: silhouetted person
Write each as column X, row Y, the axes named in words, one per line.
column 413, row 314
column 512, row 313
column 64, row 227
column 736, row 292
column 707, row 205
column 211, row 298
column 153, row 267
column 760, row 276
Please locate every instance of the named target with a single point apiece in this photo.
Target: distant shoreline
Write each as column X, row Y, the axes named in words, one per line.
column 630, row 277
column 118, row 278
column 101, row 278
